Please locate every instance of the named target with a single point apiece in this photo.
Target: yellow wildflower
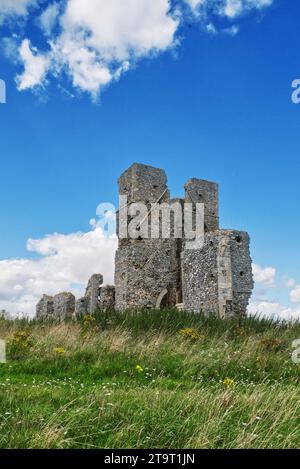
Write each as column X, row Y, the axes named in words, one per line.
column 229, row 383
column 139, row 368
column 190, row 334
column 59, row 351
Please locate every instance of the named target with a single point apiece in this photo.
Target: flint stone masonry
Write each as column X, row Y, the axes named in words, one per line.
column 97, row 297
column 165, row 271
column 93, row 292
column 64, row 306
column 45, row 308
column 218, row 278
column 146, row 270
column 207, row 193
column 107, row 298
column 82, row 307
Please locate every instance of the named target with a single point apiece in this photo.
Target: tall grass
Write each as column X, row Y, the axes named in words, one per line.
column 133, row 380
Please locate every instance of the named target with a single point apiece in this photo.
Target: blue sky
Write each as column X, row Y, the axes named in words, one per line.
column 208, row 101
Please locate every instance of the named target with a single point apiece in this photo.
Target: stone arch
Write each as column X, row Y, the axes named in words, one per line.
column 162, row 299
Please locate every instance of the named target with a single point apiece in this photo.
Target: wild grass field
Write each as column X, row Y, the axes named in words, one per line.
column 154, row 379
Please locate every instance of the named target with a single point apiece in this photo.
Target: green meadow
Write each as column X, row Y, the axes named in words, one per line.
column 149, row 379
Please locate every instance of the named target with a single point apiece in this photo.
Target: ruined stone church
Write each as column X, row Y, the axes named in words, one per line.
column 163, row 272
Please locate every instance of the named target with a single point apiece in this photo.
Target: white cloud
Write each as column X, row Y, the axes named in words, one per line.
column 195, row 4
column 65, row 263
column 35, row 67
column 228, row 8
column 10, row 8
column 274, row 310
column 100, row 40
column 265, row 279
column 95, row 42
column 264, row 275
column 49, row 18
column 234, row 8
column 295, row 294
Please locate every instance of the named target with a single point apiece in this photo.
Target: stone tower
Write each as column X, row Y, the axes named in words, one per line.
column 217, row 278
column 207, row 193
column 147, row 271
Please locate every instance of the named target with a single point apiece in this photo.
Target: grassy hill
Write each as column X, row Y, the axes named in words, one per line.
column 155, row 379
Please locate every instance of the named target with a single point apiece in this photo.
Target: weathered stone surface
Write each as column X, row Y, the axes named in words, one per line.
column 146, row 270
column 218, row 278
column 162, row 272
column 93, row 292
column 107, row 298
column 45, row 307
column 207, row 193
column 82, row 307
column 143, row 272
column 159, row 269
column 64, row 306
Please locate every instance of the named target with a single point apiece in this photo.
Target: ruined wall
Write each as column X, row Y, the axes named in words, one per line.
column 82, row 307
column 64, row 306
column 218, row 278
column 144, row 268
column 207, row 193
column 93, row 292
column 107, row 298
column 45, row 307
column 163, row 271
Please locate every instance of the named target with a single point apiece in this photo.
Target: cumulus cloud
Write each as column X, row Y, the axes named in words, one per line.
column 262, row 305
column 98, row 41
column 35, row 67
column 274, row 310
column 65, row 263
column 264, row 275
column 95, row 42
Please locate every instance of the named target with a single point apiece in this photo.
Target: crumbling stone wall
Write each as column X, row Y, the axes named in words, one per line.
column 107, row 298
column 93, row 292
column 145, row 268
column 82, row 307
column 45, row 308
column 218, row 278
column 207, row 193
column 165, row 271
column 64, row 306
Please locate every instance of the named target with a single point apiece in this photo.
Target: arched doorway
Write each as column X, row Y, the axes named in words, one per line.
column 162, row 300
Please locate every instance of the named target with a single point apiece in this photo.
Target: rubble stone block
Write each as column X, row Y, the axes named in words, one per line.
column 107, row 298
column 81, row 307
column 93, row 292
column 218, row 278
column 45, row 307
column 207, row 193
column 64, row 306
